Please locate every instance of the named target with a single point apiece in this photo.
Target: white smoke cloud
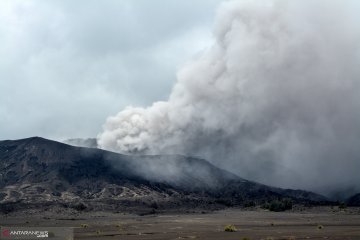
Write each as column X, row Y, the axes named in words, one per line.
column 276, row 98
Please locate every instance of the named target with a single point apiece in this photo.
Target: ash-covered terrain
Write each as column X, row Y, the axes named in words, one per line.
column 40, row 174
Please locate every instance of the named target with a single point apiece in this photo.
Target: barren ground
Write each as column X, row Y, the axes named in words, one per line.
column 315, row 223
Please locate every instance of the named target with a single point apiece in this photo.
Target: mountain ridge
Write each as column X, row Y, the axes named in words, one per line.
column 35, row 171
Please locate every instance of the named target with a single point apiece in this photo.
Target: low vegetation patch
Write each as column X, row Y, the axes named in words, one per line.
column 279, row 205
column 342, row 206
column 84, row 225
column 79, row 207
column 249, row 204
column 230, row 228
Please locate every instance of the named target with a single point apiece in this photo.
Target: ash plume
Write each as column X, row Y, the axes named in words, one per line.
column 276, row 99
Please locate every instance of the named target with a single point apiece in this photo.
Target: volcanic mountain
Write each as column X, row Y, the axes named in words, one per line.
column 38, row 173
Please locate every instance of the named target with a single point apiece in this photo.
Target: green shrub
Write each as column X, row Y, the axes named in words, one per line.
column 230, row 228
column 79, row 206
column 288, row 203
column 279, row 205
column 342, row 205
column 249, row 204
column 276, row 206
column 84, row 225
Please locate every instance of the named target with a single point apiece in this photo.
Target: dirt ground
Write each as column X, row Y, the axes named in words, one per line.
column 319, row 223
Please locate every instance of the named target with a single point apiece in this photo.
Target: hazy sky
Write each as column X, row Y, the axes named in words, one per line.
column 67, row 65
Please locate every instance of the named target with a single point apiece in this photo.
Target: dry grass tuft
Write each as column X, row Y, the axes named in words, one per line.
column 230, row 228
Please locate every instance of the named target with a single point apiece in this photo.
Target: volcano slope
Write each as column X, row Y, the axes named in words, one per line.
column 37, row 173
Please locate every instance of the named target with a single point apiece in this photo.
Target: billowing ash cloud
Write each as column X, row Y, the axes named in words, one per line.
column 276, row 99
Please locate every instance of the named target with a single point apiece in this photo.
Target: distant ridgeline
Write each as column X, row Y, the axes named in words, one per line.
column 38, row 174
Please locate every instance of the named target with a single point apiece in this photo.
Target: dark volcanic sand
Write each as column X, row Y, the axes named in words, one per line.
column 256, row 224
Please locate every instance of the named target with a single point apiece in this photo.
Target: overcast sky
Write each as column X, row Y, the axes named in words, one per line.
column 67, row 65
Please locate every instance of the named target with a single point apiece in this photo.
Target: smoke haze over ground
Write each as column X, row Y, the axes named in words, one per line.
column 276, row 99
